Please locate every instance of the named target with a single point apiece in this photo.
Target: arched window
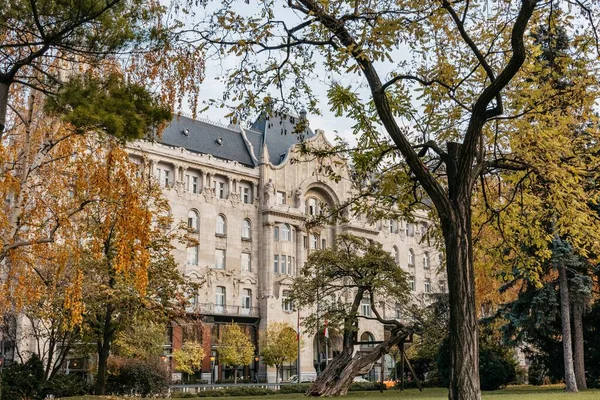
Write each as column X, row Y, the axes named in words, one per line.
column 367, row 340
column 411, row 258
column 396, row 255
column 193, row 220
column 246, row 229
column 426, row 261
column 285, row 233
column 221, row 225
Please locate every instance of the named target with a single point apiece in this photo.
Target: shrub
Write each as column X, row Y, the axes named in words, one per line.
column 62, row 385
column 23, row 381
column 183, row 395
column 497, row 367
column 139, row 377
column 365, row 386
column 235, row 392
column 294, row 388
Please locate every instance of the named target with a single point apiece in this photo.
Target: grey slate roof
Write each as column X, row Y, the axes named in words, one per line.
column 202, row 137
column 279, row 132
column 229, row 144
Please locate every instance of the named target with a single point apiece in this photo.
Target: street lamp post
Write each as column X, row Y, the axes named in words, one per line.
column 212, row 370
column 256, row 359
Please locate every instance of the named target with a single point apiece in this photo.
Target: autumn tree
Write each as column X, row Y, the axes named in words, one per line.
column 442, row 68
column 235, row 347
column 554, row 220
column 278, row 345
column 43, row 42
column 334, row 282
column 189, row 358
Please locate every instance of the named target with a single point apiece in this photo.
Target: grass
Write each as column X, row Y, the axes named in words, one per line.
column 554, row 392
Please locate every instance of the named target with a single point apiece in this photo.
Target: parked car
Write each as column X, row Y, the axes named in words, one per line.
column 360, row 379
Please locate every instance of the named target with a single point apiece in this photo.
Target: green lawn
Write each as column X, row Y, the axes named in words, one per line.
column 510, row 393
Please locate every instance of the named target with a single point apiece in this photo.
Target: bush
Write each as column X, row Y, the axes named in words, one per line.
column 497, row 367
column 139, row 377
column 294, row 388
column 365, row 386
column 235, row 392
column 23, row 381
column 537, row 373
column 63, row 385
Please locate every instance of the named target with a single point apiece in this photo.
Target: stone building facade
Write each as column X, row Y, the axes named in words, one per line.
column 247, row 193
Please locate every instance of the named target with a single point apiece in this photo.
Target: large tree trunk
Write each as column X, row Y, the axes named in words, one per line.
column 4, row 88
column 104, row 351
column 463, row 329
column 342, row 370
column 578, row 345
column 566, row 327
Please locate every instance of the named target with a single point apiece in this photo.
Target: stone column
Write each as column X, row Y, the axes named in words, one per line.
column 300, row 252
column 268, row 274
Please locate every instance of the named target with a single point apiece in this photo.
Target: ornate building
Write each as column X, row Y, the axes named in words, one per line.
column 247, row 193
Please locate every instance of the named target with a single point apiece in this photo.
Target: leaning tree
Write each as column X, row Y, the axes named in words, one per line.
column 440, row 67
column 333, row 283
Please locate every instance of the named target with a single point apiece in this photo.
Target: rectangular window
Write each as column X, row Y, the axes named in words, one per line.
column 221, row 191
column 411, row 283
column 290, row 269
column 220, row 296
column 246, row 299
column 365, row 308
column 276, row 233
column 398, row 311
column 188, row 187
column 312, row 206
column 427, row 286
column 219, row 259
column 195, row 184
column 410, row 230
column 167, row 177
column 286, row 301
column 280, row 197
column 276, row 263
column 192, row 255
column 323, row 243
column 246, row 262
column 283, row 265
column 246, row 195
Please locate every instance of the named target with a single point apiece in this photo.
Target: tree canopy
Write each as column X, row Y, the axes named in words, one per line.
column 426, row 84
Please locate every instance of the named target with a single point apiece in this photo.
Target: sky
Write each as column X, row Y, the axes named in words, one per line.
column 213, row 87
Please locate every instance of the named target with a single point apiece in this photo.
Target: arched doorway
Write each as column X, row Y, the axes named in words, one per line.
column 325, row 349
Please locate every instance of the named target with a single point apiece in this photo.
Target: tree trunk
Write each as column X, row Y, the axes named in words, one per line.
column 342, row 370
column 578, row 345
column 463, row 329
column 104, row 351
column 4, row 88
column 566, row 327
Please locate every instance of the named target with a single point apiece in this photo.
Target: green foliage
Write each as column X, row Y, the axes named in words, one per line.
column 141, row 339
column 23, row 381
column 63, row 385
column 294, row 388
column 124, row 110
column 279, row 344
column 188, row 359
column 141, row 377
column 331, row 274
column 497, row 366
column 235, row 347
